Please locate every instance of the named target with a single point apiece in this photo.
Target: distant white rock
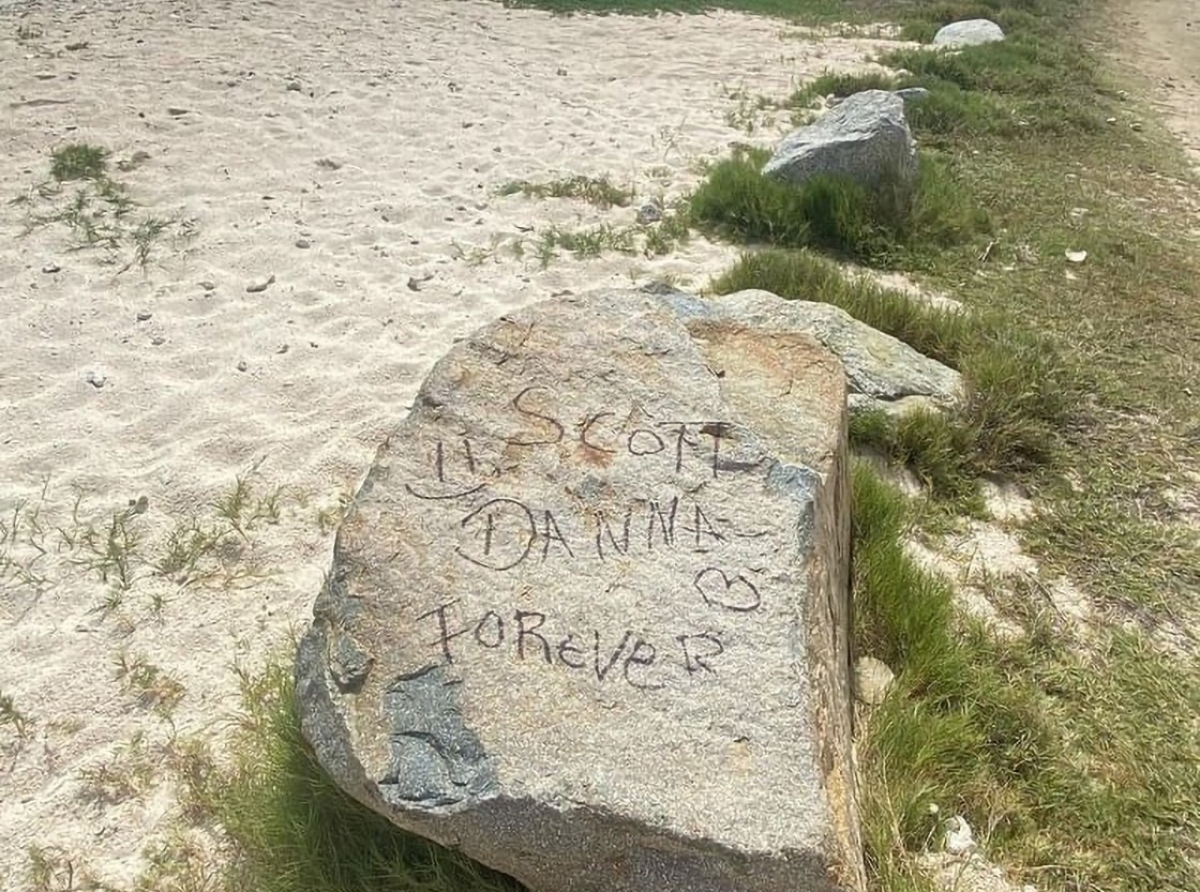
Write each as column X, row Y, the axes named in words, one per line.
column 971, row 32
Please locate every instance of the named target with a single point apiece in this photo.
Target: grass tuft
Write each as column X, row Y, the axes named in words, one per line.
column 879, row 226
column 598, row 191
column 1021, row 391
column 1063, row 758
column 78, row 161
column 293, row 830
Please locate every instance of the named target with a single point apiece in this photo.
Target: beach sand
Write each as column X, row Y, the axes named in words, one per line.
column 354, row 152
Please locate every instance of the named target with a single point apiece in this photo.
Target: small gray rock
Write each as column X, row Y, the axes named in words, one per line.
column 303, row 243
column 911, row 94
column 650, row 212
column 261, row 285
column 207, row 286
column 971, row 32
column 96, row 378
column 144, row 316
column 242, row 365
column 865, row 138
column 50, row 268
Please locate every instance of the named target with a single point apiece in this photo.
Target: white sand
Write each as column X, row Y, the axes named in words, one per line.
column 428, row 106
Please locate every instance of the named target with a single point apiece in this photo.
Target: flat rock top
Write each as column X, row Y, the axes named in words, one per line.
column 585, row 549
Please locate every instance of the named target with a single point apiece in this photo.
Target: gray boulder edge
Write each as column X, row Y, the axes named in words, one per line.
column 970, row 32
column 469, row 793
column 882, row 372
column 865, row 138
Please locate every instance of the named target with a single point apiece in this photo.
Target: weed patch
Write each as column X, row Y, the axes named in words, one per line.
column 598, row 191
column 97, row 210
column 78, row 161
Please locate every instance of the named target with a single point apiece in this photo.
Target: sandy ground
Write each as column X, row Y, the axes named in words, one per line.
column 1159, row 40
column 353, row 151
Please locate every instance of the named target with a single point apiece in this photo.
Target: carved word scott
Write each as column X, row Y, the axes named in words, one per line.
column 596, row 432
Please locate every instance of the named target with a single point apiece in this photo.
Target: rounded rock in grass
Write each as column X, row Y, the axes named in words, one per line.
column 971, row 32
column 866, row 138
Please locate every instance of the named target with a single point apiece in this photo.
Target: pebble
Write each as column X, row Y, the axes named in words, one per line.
column 650, row 212
column 959, row 837
column 51, row 268
column 872, row 678
column 243, row 365
column 261, row 285
column 96, row 378
column 207, row 286
column 158, row 340
column 144, row 316
column 303, row 243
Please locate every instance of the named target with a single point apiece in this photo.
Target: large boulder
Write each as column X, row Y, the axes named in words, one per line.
column 865, row 138
column 881, row 371
column 588, row 616
column 970, row 32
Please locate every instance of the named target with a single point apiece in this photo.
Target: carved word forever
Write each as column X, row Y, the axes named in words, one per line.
column 627, row 657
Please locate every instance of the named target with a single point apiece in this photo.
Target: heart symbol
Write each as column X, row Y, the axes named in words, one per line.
column 718, row 590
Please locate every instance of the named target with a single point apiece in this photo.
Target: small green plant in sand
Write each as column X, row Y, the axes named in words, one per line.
column 128, row 774
column 180, row 863
column 23, row 545
column 153, row 688
column 598, row 191
column 751, row 112
column 96, row 209
column 78, row 161
column 110, row 550
column 51, row 869
column 293, row 830
column 13, row 717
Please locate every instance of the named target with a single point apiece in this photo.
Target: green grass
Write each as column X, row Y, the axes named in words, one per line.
column 1021, row 391
column 96, row 209
column 1077, row 762
column 294, row 831
column 883, row 226
column 598, row 191
column 817, row 10
column 78, row 161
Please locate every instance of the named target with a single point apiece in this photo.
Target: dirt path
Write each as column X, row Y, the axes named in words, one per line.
column 1160, row 40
